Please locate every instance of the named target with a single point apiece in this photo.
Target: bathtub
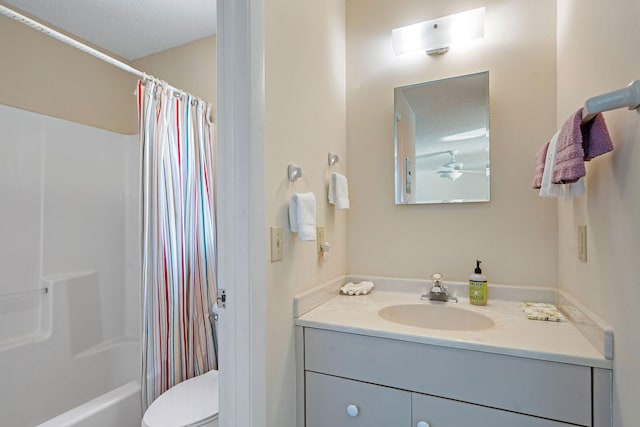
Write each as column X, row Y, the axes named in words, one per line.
column 65, row 372
column 121, row 407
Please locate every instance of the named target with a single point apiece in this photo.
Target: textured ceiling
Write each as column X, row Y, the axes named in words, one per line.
column 129, row 28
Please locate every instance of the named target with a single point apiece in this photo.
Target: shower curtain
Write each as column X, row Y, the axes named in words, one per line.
column 178, row 238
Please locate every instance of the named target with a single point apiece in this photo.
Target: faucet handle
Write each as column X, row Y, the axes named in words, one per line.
column 438, row 291
column 436, row 278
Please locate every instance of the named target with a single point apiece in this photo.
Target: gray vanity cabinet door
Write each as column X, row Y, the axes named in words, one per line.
column 330, row 399
column 437, row 412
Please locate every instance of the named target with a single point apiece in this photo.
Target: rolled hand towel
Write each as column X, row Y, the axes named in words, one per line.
column 361, row 288
column 339, row 191
column 302, row 216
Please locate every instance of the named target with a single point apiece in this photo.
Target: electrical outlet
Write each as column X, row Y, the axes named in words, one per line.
column 320, row 237
column 276, row 244
column 582, row 243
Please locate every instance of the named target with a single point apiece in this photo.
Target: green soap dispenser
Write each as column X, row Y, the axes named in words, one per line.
column 478, row 286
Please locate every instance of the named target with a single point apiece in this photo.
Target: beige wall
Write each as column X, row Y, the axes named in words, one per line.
column 597, row 53
column 43, row 75
column 190, row 67
column 515, row 234
column 304, row 120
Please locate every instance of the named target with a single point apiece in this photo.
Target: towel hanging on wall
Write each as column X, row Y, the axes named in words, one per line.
column 339, row 191
column 302, row 216
column 560, row 165
column 549, row 188
column 578, row 143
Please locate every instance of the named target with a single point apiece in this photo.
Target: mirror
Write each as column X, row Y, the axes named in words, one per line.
column 442, row 141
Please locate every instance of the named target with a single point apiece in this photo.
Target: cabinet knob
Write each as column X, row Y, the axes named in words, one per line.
column 352, row 410
column 423, row 424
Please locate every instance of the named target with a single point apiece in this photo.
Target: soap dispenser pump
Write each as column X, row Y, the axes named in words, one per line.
column 478, row 286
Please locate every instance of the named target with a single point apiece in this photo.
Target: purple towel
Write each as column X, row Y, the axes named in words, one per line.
column 540, row 161
column 570, row 154
column 596, row 139
column 578, row 143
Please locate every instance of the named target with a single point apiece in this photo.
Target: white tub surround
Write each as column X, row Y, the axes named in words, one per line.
column 69, row 299
column 68, row 361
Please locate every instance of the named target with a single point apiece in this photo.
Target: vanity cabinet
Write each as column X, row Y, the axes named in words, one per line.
column 438, row 412
column 358, row 380
column 336, row 402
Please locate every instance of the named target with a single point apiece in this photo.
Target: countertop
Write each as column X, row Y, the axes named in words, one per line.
column 513, row 334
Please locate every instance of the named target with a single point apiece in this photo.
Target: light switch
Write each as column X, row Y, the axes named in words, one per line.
column 276, row 244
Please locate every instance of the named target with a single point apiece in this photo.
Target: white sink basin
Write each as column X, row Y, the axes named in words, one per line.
column 433, row 316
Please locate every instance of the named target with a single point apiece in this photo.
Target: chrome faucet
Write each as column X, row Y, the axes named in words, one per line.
column 438, row 291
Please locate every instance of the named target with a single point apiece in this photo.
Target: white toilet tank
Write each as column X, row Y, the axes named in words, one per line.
column 192, row 403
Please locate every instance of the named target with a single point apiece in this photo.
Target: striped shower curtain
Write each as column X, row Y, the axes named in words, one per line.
column 178, row 238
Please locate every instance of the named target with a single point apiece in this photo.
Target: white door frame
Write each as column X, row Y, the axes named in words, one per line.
column 241, row 212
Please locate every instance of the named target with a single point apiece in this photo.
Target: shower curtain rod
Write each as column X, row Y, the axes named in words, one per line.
column 83, row 47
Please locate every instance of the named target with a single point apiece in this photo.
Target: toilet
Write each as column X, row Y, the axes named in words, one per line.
column 191, row 403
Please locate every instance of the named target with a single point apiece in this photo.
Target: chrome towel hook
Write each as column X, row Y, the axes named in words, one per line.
column 294, row 172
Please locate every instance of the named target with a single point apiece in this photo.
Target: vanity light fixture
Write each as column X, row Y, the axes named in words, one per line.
column 435, row 36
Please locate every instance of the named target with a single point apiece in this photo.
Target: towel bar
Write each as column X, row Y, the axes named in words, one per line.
column 625, row 97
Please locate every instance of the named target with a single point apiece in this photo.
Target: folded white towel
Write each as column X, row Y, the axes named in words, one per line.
column 302, row 216
column 339, row 191
column 548, row 188
column 542, row 311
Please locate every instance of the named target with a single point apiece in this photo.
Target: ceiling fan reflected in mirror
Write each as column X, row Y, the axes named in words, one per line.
column 453, row 169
